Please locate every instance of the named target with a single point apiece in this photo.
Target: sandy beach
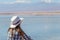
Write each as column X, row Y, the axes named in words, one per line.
column 30, row 13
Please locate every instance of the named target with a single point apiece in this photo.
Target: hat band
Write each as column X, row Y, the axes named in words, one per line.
column 16, row 22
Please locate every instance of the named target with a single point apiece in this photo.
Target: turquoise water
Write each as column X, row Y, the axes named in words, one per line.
column 38, row 27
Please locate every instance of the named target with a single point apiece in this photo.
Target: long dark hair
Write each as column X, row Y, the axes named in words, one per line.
column 18, row 29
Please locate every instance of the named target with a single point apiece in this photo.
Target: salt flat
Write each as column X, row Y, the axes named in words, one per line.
column 31, row 13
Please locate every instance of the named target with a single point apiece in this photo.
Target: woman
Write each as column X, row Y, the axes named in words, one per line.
column 15, row 32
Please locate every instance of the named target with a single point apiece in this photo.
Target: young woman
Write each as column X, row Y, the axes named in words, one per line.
column 15, row 32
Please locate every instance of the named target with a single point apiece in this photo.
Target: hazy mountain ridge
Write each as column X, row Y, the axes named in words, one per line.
column 29, row 7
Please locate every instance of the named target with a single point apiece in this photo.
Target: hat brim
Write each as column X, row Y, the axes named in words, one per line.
column 13, row 26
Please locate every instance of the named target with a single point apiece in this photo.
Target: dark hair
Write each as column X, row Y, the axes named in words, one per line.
column 20, row 31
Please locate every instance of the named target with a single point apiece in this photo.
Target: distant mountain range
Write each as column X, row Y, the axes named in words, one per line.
column 29, row 7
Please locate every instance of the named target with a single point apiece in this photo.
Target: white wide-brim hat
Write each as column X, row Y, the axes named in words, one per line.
column 15, row 20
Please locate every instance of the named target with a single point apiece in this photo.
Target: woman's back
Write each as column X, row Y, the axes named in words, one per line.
column 14, row 35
